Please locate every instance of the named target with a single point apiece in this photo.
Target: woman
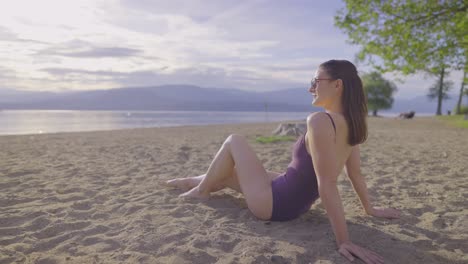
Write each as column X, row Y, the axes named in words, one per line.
column 330, row 144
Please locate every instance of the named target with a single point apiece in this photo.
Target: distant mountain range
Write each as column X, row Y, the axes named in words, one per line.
column 188, row 98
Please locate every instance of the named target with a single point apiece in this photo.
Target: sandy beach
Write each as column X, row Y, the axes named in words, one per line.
column 97, row 197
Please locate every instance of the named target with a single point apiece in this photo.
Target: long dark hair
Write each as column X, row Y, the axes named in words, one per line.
column 353, row 100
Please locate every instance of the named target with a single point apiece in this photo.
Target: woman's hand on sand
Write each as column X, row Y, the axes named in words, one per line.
column 350, row 251
column 390, row 213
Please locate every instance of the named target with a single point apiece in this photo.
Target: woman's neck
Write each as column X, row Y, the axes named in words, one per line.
column 335, row 107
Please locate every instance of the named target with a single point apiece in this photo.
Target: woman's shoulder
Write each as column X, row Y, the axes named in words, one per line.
column 315, row 116
column 332, row 123
column 319, row 121
column 318, row 117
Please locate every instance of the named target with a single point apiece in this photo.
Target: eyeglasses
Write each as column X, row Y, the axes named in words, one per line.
column 317, row 80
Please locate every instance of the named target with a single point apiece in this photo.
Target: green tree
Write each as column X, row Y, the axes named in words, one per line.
column 408, row 36
column 379, row 91
column 462, row 93
column 434, row 90
column 439, row 86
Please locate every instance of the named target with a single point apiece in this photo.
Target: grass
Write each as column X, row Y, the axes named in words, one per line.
column 455, row 120
column 274, row 139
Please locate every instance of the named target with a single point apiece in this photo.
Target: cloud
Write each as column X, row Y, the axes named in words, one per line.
column 199, row 10
column 278, row 31
column 97, row 52
column 304, row 65
column 8, row 36
column 6, row 76
column 97, row 44
column 65, row 71
column 210, row 77
column 83, row 49
column 219, row 43
column 201, row 76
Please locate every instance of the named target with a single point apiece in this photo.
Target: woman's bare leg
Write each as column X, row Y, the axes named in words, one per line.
column 254, row 180
column 185, row 184
column 188, row 183
column 232, row 182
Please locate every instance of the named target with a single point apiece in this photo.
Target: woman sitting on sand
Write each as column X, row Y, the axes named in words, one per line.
column 330, row 144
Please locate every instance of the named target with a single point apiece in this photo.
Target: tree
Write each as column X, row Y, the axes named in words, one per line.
column 379, row 91
column 408, row 36
column 434, row 90
column 462, row 92
column 439, row 86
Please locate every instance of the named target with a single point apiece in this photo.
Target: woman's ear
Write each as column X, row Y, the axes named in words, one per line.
column 339, row 86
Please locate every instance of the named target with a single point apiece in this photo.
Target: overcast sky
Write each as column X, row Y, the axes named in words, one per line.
column 259, row 45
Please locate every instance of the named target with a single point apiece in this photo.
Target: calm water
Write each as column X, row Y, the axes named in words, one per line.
column 17, row 122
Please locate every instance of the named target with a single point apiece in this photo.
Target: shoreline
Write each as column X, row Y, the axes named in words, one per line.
column 188, row 125
column 32, row 122
column 160, row 127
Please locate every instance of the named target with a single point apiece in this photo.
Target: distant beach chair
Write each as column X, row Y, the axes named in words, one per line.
column 407, row 115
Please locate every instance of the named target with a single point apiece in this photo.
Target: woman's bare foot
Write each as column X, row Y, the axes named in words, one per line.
column 195, row 193
column 184, row 184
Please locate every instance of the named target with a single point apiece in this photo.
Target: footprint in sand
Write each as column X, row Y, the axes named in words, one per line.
column 19, row 220
column 101, row 245
column 14, row 201
column 445, row 221
column 133, row 209
column 18, row 174
column 225, row 242
column 6, row 185
column 38, row 223
column 82, row 206
column 68, row 190
column 73, row 198
column 103, row 216
column 56, row 229
column 384, row 180
column 184, row 153
column 46, row 260
column 198, row 256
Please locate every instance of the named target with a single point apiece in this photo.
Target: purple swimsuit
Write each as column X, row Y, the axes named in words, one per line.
column 296, row 190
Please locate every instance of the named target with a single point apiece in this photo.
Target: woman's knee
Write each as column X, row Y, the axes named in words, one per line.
column 234, row 138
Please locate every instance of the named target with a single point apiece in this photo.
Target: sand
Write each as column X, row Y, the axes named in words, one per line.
column 96, row 197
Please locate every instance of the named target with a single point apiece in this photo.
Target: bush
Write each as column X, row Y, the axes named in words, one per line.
column 455, row 120
column 463, row 109
column 273, row 139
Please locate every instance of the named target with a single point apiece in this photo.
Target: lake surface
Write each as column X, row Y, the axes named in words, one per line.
column 20, row 122
column 17, row 122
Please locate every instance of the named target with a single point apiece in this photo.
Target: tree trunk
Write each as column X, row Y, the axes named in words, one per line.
column 374, row 112
column 461, row 92
column 441, row 92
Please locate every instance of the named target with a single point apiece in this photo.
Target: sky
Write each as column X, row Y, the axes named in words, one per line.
column 255, row 45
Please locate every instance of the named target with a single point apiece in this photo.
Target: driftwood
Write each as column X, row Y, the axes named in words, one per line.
column 290, row 129
column 407, row 115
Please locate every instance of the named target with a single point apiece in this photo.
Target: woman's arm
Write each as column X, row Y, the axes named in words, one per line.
column 353, row 170
column 321, row 139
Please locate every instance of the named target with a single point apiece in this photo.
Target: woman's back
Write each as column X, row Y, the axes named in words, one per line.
column 297, row 189
column 341, row 146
